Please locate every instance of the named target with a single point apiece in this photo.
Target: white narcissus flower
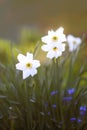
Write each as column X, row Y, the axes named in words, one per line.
column 54, row 43
column 27, row 65
column 54, row 36
column 54, row 50
column 73, row 42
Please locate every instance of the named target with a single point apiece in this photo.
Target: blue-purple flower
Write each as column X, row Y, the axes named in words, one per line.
column 83, row 110
column 71, row 91
column 54, row 93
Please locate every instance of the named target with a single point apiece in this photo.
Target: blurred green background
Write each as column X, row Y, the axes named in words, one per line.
column 26, row 21
column 42, row 15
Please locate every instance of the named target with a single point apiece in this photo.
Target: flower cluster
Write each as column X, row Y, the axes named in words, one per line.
column 55, row 43
column 67, row 100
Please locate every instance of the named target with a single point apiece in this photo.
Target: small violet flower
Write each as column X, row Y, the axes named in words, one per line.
column 68, row 98
column 27, row 65
column 83, row 109
column 75, row 119
column 54, row 93
column 71, row 91
column 54, row 105
column 79, row 120
column 72, row 119
column 48, row 113
column 73, row 42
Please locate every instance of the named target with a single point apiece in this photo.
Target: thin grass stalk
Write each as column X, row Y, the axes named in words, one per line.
column 60, row 98
column 12, row 124
column 56, row 80
column 29, row 115
column 70, row 72
column 57, row 84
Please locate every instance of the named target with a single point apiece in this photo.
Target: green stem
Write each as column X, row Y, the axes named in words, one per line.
column 28, row 114
column 61, row 112
column 69, row 73
column 12, row 124
column 58, row 84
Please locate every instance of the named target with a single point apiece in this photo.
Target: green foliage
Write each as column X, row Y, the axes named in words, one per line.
column 5, row 51
column 29, row 36
column 53, row 99
column 27, row 42
column 9, row 50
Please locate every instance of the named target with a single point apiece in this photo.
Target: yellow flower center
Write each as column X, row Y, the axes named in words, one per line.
column 28, row 65
column 55, row 49
column 74, row 42
column 54, row 38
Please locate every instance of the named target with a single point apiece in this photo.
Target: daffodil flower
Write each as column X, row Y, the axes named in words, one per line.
column 54, row 50
column 54, row 36
column 73, row 42
column 54, row 43
column 27, row 65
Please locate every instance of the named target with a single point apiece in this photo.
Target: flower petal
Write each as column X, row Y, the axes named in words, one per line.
column 46, row 47
column 46, row 39
column 20, row 66
column 36, row 63
column 58, row 53
column 60, row 30
column 33, row 72
column 30, row 56
column 21, row 57
column 51, row 54
column 26, row 73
